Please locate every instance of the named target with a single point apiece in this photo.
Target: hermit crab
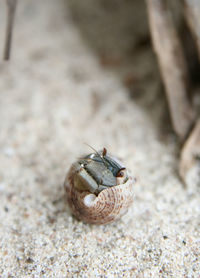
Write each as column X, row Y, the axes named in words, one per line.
column 99, row 188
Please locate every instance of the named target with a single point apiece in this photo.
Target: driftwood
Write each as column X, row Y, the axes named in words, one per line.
column 190, row 152
column 174, row 73
column 11, row 7
column 172, row 66
column 192, row 14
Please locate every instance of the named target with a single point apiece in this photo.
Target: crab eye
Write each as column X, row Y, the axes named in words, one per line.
column 120, row 173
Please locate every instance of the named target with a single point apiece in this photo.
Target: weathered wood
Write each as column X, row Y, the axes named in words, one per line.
column 191, row 152
column 192, row 14
column 11, row 7
column 172, row 66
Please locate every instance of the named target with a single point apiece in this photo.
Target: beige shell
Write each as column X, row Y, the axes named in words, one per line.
column 109, row 205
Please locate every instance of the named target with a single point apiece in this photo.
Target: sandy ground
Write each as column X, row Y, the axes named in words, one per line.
column 77, row 75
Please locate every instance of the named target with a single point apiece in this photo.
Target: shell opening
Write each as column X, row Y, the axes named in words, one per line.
column 89, row 200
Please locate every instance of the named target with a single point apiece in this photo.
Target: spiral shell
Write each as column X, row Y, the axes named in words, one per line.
column 96, row 207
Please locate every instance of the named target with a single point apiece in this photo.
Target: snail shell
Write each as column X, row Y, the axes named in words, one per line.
column 99, row 189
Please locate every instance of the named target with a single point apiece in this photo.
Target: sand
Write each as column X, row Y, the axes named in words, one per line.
column 77, row 75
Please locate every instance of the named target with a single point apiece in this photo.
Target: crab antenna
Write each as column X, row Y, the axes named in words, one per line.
column 104, row 152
